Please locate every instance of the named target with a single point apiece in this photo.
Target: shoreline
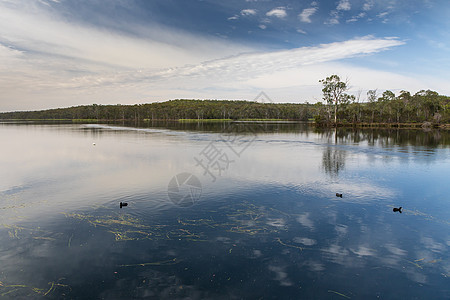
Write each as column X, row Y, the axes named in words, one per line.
column 246, row 120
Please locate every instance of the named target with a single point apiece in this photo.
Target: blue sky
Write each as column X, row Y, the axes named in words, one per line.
column 58, row 53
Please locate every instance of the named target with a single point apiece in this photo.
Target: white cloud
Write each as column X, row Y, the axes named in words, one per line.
column 383, row 16
column 301, row 31
column 233, row 17
column 344, row 5
column 49, row 62
column 357, row 17
column 41, row 33
column 333, row 21
column 279, row 12
column 334, row 18
column 235, row 77
column 9, row 55
column 368, row 6
column 262, row 26
column 306, row 14
column 250, row 65
column 248, row 12
column 335, row 15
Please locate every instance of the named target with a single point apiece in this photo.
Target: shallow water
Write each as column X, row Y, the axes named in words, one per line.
column 260, row 219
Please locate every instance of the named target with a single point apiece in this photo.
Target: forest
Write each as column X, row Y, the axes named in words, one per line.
column 388, row 108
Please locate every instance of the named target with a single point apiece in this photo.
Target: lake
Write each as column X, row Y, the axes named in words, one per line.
column 223, row 211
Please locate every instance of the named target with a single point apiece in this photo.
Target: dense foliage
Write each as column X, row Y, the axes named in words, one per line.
column 174, row 110
column 385, row 108
column 424, row 106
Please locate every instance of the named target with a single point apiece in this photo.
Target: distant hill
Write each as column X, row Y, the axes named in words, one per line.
column 171, row 110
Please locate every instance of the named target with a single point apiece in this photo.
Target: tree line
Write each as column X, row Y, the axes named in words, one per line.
column 423, row 106
column 337, row 107
column 173, row 110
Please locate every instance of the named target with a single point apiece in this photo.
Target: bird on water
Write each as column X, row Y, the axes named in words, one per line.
column 395, row 209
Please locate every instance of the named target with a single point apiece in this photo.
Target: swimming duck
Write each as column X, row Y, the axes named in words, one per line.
column 395, row 209
column 123, row 204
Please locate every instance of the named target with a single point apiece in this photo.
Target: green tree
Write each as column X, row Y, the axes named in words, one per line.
column 384, row 103
column 372, row 98
column 334, row 92
column 405, row 98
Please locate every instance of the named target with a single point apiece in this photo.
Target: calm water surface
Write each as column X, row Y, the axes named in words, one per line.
column 224, row 211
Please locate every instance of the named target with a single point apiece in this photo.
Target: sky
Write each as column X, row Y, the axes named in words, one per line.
column 61, row 53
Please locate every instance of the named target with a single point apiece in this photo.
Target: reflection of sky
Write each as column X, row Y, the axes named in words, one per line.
column 47, row 170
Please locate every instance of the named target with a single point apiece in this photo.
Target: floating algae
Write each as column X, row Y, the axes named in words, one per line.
column 244, row 218
column 124, row 227
column 158, row 263
column 13, row 203
column 340, row 294
column 44, row 238
column 124, row 235
column 70, row 241
column 206, row 222
column 26, row 291
column 127, row 228
column 181, row 233
column 254, row 220
column 423, row 262
column 108, row 221
column 15, row 231
column 287, row 245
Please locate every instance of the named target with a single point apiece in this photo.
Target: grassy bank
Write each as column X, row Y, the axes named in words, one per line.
column 204, row 120
column 264, row 120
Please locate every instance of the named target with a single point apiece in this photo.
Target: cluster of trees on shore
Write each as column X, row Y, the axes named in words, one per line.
column 423, row 106
column 338, row 107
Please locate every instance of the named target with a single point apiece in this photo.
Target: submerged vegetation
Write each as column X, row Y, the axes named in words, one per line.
column 25, row 291
column 242, row 221
column 245, row 218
